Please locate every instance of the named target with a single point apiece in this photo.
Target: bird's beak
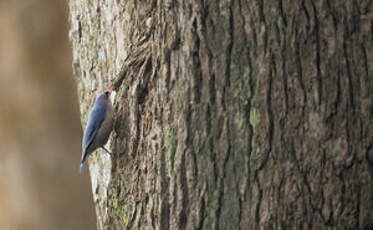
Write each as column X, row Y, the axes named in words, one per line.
column 111, row 89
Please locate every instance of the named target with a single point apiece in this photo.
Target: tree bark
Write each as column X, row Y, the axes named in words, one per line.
column 231, row 114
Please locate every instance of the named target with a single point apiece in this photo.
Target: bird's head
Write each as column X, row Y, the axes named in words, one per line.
column 107, row 93
column 104, row 97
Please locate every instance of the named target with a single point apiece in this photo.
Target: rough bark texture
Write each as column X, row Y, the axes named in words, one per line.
column 232, row 114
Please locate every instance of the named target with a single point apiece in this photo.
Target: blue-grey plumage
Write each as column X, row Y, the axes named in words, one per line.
column 99, row 126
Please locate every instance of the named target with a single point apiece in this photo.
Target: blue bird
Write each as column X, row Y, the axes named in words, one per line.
column 99, row 126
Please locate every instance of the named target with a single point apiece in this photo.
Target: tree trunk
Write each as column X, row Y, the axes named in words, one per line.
column 231, row 114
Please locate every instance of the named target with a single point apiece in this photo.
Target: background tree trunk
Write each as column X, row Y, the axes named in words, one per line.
column 231, row 114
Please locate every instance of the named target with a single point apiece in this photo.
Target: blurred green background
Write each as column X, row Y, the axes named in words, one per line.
column 40, row 130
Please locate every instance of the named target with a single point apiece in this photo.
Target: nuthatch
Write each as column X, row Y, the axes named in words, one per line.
column 99, row 125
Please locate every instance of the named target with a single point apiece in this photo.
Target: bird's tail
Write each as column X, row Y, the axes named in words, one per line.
column 82, row 163
column 81, row 167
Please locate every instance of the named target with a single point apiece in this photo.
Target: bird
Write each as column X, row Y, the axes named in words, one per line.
column 99, row 126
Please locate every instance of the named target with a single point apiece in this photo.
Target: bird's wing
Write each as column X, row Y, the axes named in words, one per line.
column 95, row 119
